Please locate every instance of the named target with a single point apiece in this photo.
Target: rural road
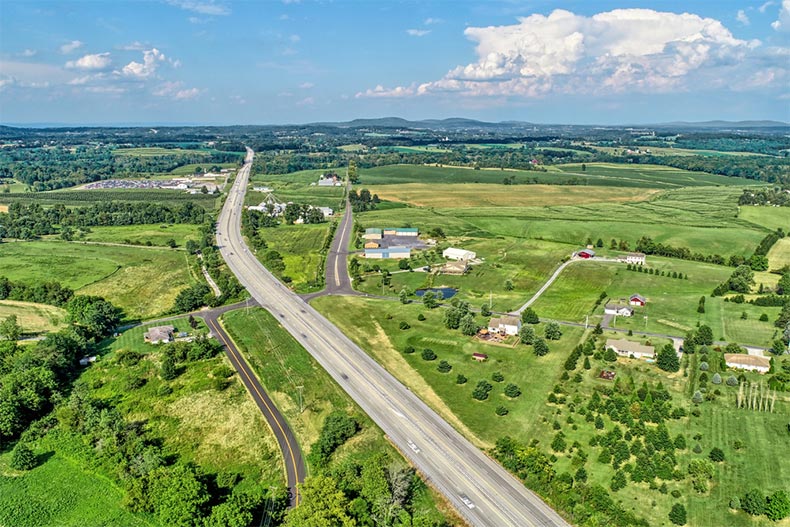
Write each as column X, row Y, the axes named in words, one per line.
column 295, row 470
column 482, row 492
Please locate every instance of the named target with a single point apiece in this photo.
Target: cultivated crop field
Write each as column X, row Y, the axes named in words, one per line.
column 88, row 197
column 595, row 174
column 143, row 282
column 769, row 217
column 779, row 255
column 491, row 195
column 34, row 318
column 153, row 151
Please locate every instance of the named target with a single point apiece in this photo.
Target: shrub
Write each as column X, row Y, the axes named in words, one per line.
column 703, row 366
column 777, row 506
column 697, row 448
column 428, row 354
column 558, row 444
column 409, row 349
column 482, row 390
column 753, row 502
column 552, row 331
column 512, row 391
column 678, row 514
column 404, row 325
column 764, row 317
column 716, row 454
column 164, row 390
column 22, row 457
column 501, row 410
column 337, row 429
column 716, row 379
column 540, row 347
column 444, row 367
column 460, row 379
column 618, row 481
column 675, row 493
column 497, row 376
column 732, row 380
column 735, row 503
column 697, row 397
column 420, row 317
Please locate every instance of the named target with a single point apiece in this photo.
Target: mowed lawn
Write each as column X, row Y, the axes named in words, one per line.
column 157, row 234
column 366, row 322
column 34, row 318
column 491, row 195
column 143, row 282
column 671, row 302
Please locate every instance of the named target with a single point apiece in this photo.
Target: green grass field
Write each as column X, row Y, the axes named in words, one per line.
column 672, row 303
column 300, row 247
column 187, row 170
column 595, row 174
column 34, row 318
column 143, row 282
column 157, row 234
column 769, row 217
column 75, row 198
column 298, row 187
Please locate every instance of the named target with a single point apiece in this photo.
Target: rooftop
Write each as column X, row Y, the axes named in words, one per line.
column 629, row 346
column 747, row 360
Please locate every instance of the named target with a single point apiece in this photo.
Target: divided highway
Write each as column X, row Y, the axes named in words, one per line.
column 484, row 493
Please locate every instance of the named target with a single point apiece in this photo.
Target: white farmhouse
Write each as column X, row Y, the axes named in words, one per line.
column 505, row 325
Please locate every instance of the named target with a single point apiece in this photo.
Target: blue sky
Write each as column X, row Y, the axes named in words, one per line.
column 209, row 61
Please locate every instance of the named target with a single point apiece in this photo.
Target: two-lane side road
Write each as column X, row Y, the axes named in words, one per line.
column 484, row 493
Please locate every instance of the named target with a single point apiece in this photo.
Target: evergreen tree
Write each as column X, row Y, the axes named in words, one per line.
column 528, row 316
column 777, row 505
column 678, row 514
column 540, row 347
column 22, row 457
column 667, row 359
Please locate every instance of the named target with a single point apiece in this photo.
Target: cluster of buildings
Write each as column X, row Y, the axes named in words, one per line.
column 272, row 206
column 330, row 180
column 192, row 185
column 623, row 308
column 392, row 242
column 459, row 260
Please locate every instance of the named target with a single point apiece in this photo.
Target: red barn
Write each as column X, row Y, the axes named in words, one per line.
column 637, row 300
column 585, row 253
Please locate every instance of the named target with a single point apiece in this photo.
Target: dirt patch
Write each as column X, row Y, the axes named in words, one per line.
column 386, row 355
column 3, row 208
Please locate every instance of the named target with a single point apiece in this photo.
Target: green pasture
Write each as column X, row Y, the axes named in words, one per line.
column 187, row 170
column 74, row 198
column 157, row 234
column 670, row 151
column 769, row 217
column 779, row 255
column 671, row 303
column 368, row 323
column 143, row 282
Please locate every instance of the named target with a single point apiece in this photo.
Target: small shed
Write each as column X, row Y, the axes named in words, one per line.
column 637, row 300
column 586, row 254
column 480, row 357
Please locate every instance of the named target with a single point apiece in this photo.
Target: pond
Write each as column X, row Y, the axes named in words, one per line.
column 447, row 292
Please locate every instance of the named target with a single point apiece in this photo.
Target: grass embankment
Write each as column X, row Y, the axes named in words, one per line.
column 142, row 282
column 367, row 322
column 33, row 318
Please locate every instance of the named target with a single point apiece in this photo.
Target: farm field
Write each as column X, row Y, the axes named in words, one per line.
column 595, row 174
column 769, row 217
column 187, row 170
column 666, row 151
column 87, row 197
column 143, row 282
column 365, row 322
column 32, row 317
column 491, row 195
column 779, row 255
column 140, row 234
column 296, row 187
column 672, row 302
column 648, row 175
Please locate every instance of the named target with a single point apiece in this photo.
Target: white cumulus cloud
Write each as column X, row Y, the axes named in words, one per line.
column 94, row 61
column 306, row 85
column 203, row 7
column 143, row 70
column 417, row 32
column 28, row 53
column 783, row 22
column 176, row 90
column 623, row 50
column 70, row 47
column 742, row 17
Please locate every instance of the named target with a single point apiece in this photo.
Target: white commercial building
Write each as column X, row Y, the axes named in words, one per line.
column 451, row 253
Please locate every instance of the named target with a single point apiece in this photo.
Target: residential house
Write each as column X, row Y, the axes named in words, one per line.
column 326, row 211
column 741, row 361
column 637, row 300
column 635, row 258
column 458, row 267
column 627, row 348
column 618, row 309
column 451, row 253
column 159, row 334
column 505, row 325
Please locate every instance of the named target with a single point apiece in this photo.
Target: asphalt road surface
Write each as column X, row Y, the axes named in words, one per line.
column 484, row 493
